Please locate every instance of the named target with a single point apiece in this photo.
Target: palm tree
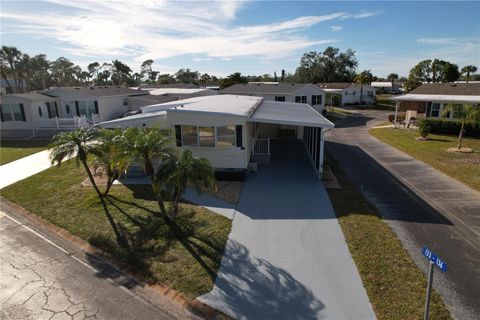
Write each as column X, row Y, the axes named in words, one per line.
column 469, row 69
column 150, row 146
column 392, row 77
column 110, row 157
column 175, row 174
column 466, row 112
column 363, row 78
column 79, row 144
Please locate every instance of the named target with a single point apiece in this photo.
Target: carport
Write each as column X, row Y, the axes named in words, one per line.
column 289, row 121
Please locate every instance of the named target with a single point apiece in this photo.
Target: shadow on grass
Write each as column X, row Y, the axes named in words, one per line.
column 153, row 237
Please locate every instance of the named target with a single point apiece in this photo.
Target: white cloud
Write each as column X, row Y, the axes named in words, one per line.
column 154, row 29
column 336, row 28
column 437, row 40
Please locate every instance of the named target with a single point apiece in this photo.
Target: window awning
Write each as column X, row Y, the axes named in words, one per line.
column 295, row 114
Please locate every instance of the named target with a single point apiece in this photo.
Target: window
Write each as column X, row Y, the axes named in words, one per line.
column 226, row 136
column 301, row 99
column 40, row 113
column 456, row 110
column 435, row 112
column 348, row 94
column 12, row 112
column 125, row 102
column 370, row 94
column 67, row 107
column 206, row 136
column 189, row 136
column 316, row 100
column 52, row 111
column 86, row 107
column 7, row 112
column 280, row 98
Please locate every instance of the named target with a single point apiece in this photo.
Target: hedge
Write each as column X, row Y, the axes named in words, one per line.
column 452, row 127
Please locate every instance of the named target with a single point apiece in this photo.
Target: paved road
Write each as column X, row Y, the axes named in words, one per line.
column 41, row 281
column 286, row 257
column 423, row 206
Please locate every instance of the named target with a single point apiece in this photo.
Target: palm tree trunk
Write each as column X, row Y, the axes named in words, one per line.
column 460, row 136
column 159, row 198
column 90, row 177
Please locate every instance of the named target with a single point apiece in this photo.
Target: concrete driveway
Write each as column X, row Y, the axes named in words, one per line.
column 286, row 257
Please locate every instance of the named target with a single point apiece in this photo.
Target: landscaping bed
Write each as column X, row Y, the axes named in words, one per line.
column 185, row 257
column 11, row 150
column 465, row 167
column 395, row 285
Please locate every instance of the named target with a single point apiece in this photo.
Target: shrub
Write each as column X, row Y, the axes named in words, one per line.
column 452, row 127
column 424, row 128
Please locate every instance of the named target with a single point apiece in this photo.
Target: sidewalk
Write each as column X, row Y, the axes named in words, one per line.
column 23, row 168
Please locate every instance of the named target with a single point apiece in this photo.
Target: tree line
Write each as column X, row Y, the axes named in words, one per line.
column 329, row 65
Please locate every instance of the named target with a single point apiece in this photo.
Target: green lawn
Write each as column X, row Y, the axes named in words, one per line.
column 463, row 167
column 394, row 284
column 186, row 258
column 11, row 150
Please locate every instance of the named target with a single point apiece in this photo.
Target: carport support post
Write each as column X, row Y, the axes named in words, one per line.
column 320, row 163
column 396, row 112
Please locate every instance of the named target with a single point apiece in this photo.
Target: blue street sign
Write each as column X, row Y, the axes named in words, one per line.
column 435, row 259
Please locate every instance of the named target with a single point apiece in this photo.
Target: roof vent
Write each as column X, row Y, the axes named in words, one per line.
column 92, row 88
column 77, row 88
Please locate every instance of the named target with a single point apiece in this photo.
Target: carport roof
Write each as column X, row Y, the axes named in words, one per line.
column 296, row 114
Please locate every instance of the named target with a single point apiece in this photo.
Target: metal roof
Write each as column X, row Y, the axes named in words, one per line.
column 438, row 97
column 96, row 91
column 218, row 104
column 33, row 96
column 450, row 89
column 151, row 119
column 289, row 113
column 265, row 88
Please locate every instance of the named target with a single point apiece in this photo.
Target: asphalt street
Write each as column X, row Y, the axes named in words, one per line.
column 41, row 280
column 422, row 206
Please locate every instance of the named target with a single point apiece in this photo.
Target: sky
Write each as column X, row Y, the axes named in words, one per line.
column 251, row 37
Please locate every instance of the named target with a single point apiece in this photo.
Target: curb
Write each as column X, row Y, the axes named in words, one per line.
column 193, row 305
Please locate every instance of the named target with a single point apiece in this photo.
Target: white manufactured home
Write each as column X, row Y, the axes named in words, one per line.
column 22, row 113
column 306, row 93
column 235, row 132
column 349, row 93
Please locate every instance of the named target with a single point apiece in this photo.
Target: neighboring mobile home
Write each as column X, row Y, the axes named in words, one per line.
column 430, row 99
column 99, row 103
column 23, row 113
column 282, row 92
column 234, row 131
column 349, row 93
